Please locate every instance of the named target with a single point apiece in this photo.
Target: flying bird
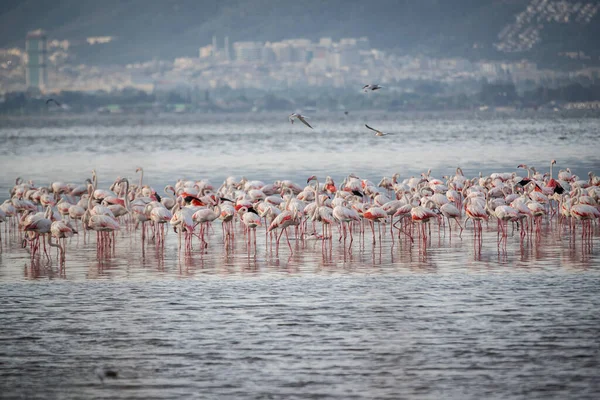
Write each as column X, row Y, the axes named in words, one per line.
column 377, row 132
column 300, row 117
column 55, row 102
column 375, row 86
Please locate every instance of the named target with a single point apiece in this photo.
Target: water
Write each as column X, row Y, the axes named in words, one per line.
column 497, row 335
column 267, row 147
column 368, row 321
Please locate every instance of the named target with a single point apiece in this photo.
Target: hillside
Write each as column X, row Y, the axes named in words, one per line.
column 155, row 29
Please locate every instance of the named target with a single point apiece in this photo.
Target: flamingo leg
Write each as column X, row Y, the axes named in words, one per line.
column 288, row 238
column 461, row 228
column 278, row 238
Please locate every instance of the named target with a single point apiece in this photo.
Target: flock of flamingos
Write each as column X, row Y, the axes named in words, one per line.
column 326, row 211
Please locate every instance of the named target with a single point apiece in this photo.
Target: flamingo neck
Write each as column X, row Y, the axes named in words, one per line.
column 141, row 177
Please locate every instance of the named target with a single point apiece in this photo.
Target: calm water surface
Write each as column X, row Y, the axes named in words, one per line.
column 385, row 321
column 268, row 147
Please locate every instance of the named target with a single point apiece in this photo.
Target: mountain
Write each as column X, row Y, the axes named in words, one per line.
column 475, row 29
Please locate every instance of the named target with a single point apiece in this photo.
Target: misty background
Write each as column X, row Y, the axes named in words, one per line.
column 185, row 56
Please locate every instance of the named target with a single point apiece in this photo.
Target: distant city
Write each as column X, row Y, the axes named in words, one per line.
column 350, row 62
column 49, row 65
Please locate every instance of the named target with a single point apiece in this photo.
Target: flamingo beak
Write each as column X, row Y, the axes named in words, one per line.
column 311, row 178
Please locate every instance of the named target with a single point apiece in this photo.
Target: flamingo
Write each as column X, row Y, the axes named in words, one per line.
column 282, row 221
column 289, row 186
column 103, row 225
column 39, row 225
column 76, row 212
column 99, row 194
column 58, row 188
column 183, row 223
column 476, row 211
column 375, row 214
column 321, row 213
column 8, row 208
column 117, row 210
column 100, row 219
column 268, row 212
column 330, row 185
column 139, row 212
column 449, row 210
column 454, row 196
column 565, row 175
column 402, row 213
column 345, row 215
column 421, row 215
column 251, row 221
column 160, row 215
column 141, row 171
column 584, row 213
column 505, row 214
column 226, row 217
column 524, row 213
column 60, row 230
column 538, row 211
column 204, row 217
column 593, row 179
column 79, row 190
column 169, row 201
column 63, row 207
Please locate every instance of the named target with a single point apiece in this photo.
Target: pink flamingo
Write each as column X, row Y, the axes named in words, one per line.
column 585, row 214
column 103, row 225
column 321, row 213
column 476, row 211
column 538, row 212
column 169, row 201
column 449, row 210
column 505, row 214
column 282, row 221
column 39, row 225
column 403, row 213
column 183, row 223
column 226, row 217
column 421, row 215
column 375, row 214
column 345, row 215
column 204, row 217
column 251, row 221
column 160, row 216
column 60, row 230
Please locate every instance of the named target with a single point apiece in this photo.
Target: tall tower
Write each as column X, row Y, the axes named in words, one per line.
column 226, row 50
column 36, row 75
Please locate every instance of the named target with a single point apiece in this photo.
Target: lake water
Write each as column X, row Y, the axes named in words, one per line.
column 361, row 321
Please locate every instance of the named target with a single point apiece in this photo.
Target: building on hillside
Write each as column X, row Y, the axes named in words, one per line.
column 248, row 51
